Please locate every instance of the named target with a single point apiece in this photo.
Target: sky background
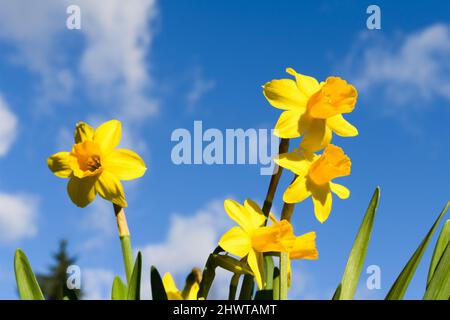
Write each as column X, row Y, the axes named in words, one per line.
column 161, row 65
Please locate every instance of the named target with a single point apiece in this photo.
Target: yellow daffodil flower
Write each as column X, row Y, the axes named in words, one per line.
column 173, row 293
column 251, row 238
column 314, row 175
column 95, row 165
column 312, row 109
column 304, row 247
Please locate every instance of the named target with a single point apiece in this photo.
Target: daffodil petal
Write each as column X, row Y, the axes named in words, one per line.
column 322, row 200
column 295, row 162
column 284, row 94
column 171, row 289
column 256, row 264
column 59, row 164
column 258, row 217
column 236, row 241
column 193, row 291
column 110, row 188
column 306, row 84
column 297, row 191
column 278, row 237
column 124, row 164
column 305, row 247
column 288, row 125
column 341, row 127
column 239, row 214
column 317, row 137
column 83, row 132
column 341, row 191
column 81, row 191
column 108, row 136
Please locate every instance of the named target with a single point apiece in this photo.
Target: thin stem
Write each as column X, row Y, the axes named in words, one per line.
column 284, row 260
column 125, row 240
column 277, row 171
column 286, row 212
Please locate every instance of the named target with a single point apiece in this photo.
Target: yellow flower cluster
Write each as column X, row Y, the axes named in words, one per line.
column 313, row 110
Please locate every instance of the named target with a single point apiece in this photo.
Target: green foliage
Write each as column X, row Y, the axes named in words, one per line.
column 398, row 289
column 134, row 288
column 119, row 289
column 158, row 291
column 347, row 287
column 26, row 281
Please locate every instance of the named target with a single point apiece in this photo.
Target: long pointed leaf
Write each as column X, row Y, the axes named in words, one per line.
column 347, row 287
column 134, row 288
column 158, row 291
column 401, row 284
column 119, row 289
column 441, row 244
column 439, row 286
column 26, row 281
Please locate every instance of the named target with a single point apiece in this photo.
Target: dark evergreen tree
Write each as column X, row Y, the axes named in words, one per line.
column 54, row 284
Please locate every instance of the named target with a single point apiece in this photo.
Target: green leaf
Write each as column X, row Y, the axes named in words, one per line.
column 119, row 289
column 441, row 244
column 248, row 285
column 398, row 289
column 439, row 286
column 134, row 289
column 346, row 289
column 158, row 291
column 26, row 281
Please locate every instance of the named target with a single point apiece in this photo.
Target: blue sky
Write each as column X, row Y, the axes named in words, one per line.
column 158, row 66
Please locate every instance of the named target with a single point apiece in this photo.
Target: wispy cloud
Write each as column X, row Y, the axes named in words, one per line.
column 8, row 128
column 198, row 88
column 411, row 70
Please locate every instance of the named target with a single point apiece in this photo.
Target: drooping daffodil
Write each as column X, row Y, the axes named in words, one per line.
column 94, row 165
column 314, row 177
column 251, row 238
column 189, row 292
column 312, row 109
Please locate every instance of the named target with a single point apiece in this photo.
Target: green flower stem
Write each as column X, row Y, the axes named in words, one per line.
column 125, row 241
column 284, row 260
column 286, row 214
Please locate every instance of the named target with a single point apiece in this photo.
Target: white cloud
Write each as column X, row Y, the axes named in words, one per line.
column 97, row 284
column 189, row 241
column 408, row 70
column 18, row 215
column 8, row 128
column 111, row 63
column 118, row 37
